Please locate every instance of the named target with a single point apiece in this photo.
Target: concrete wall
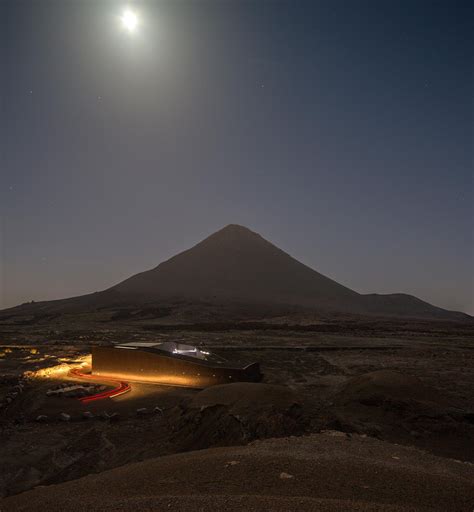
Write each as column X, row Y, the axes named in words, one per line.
column 142, row 366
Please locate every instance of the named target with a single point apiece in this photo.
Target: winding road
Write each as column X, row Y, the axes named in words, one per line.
column 120, row 388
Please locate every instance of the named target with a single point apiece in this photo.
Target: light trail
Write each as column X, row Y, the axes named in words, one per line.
column 123, row 387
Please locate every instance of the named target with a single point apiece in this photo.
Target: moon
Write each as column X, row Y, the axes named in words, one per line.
column 129, row 20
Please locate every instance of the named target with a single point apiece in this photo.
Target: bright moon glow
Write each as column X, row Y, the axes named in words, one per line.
column 129, row 20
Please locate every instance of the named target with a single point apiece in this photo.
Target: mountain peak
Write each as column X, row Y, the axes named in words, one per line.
column 235, row 229
column 235, row 234
column 237, row 265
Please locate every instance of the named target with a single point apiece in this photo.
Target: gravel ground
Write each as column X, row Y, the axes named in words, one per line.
column 324, row 472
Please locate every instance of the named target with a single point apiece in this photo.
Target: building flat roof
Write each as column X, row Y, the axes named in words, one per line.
column 181, row 351
column 167, row 346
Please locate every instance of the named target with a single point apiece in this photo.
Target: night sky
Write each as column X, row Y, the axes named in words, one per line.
column 340, row 131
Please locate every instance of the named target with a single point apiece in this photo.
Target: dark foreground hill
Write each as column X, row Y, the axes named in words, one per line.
column 329, row 472
column 237, row 266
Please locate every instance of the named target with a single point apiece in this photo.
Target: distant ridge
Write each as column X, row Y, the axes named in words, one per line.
column 236, row 265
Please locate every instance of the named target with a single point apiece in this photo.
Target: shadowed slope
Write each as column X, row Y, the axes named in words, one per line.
column 323, row 472
column 236, row 263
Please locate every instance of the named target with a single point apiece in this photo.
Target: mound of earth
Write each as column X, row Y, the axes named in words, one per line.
column 244, row 396
column 322, row 472
column 238, row 413
column 400, row 408
column 380, row 386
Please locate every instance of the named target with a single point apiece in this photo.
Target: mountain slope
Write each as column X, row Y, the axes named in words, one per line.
column 236, row 265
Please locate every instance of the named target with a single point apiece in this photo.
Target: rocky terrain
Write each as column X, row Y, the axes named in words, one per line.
column 366, row 400
column 328, row 472
column 399, row 384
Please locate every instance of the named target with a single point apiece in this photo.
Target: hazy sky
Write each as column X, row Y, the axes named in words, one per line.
column 340, row 131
